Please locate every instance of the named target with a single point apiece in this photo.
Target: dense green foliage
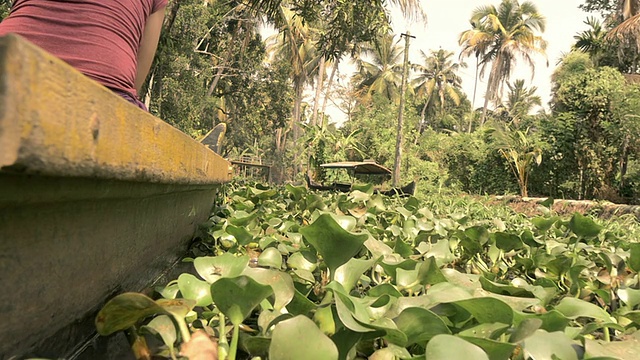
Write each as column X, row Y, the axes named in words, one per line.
column 214, row 66
column 299, row 274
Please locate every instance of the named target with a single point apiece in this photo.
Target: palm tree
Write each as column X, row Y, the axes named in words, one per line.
column 520, row 151
column 501, row 36
column 520, row 101
column 592, row 41
column 295, row 43
column 381, row 73
column 476, row 42
column 436, row 80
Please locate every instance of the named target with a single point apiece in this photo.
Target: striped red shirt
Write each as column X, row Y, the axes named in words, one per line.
column 98, row 37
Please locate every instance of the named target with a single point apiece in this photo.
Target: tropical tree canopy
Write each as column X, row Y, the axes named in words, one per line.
column 500, row 36
column 379, row 69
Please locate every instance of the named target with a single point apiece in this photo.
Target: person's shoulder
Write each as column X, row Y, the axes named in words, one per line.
column 158, row 4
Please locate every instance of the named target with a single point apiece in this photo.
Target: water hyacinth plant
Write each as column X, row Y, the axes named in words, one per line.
column 288, row 273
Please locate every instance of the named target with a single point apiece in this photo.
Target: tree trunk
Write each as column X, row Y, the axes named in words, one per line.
column 475, row 83
column 230, row 48
column 328, row 88
column 398, row 158
column 319, row 81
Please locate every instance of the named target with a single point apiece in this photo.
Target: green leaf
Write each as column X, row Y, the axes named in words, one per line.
column 389, row 331
column 479, row 234
column 325, row 319
column 299, row 261
column 543, row 224
column 178, row 308
column 212, row 268
column 441, row 251
column 384, row 289
column 270, row 257
column 195, row 289
column 163, row 326
column 305, row 275
column 280, row 282
column 551, row 321
column 448, row 347
column 545, row 345
column 487, row 310
column 631, row 297
column 241, row 234
column 237, row 297
column 391, row 352
column 124, row 311
column 391, row 269
column 254, row 345
column 495, row 349
column 633, row 316
column 429, row 273
column 345, row 221
column 634, row 257
column 345, row 340
column 503, row 289
column 300, row 305
column 507, row 242
column 583, row 226
column 487, row 331
column 297, row 192
column 335, row 244
column 420, row 325
column 525, row 329
column 447, row 292
column 574, row 308
column 241, row 218
column 622, row 350
column 402, row 248
column 548, row 203
column 348, row 311
column 316, row 345
column 170, row 291
column 348, row 274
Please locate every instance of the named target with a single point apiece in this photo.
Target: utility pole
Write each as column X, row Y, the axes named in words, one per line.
column 403, row 89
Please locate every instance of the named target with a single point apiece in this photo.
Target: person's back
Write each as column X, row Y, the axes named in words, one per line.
column 101, row 38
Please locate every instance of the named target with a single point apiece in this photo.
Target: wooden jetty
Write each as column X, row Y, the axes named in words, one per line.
column 96, row 197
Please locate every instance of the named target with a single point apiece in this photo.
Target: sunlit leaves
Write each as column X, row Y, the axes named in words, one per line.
column 335, row 244
column 383, row 277
column 286, row 342
column 445, row 347
column 237, row 297
column 125, row 310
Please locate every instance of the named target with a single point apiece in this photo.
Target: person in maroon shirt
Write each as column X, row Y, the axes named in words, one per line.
column 110, row 41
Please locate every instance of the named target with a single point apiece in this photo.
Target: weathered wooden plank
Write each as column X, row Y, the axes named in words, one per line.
column 96, row 197
column 54, row 121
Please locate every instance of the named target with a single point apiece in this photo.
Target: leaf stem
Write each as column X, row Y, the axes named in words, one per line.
column 223, row 345
column 184, row 329
column 234, row 342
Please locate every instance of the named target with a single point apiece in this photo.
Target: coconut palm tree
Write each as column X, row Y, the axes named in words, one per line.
column 437, row 79
column 520, row 101
column 379, row 69
column 475, row 42
column 501, row 36
column 592, row 41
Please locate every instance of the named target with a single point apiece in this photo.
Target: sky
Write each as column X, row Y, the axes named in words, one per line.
column 446, row 19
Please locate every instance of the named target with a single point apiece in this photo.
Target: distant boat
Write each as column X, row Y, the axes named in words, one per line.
column 360, row 168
